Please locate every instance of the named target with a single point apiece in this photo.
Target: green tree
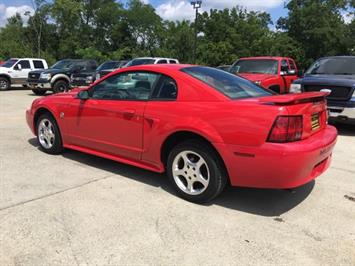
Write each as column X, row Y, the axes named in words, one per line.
column 318, row 27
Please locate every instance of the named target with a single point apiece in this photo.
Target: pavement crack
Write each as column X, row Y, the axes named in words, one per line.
column 54, row 193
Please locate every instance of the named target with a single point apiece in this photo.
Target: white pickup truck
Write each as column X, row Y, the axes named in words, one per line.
column 15, row 71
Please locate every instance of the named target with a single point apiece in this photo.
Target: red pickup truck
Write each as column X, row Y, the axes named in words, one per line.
column 274, row 73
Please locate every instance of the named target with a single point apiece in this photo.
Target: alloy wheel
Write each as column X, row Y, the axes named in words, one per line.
column 46, row 134
column 191, row 173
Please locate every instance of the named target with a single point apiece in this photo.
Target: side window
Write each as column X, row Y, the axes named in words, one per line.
column 25, row 64
column 166, row 89
column 38, row 64
column 126, row 86
column 292, row 64
column 163, row 61
column 172, row 62
column 284, row 65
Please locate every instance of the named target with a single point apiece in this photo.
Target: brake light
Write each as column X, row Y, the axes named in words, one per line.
column 286, row 129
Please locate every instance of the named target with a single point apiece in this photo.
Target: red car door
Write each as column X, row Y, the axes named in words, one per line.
column 111, row 120
column 287, row 75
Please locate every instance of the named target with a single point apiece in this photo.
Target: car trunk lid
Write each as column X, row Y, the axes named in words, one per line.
column 311, row 106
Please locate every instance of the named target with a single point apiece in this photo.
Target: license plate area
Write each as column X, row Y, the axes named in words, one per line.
column 315, row 123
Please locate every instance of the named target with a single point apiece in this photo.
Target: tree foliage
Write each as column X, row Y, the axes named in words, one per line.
column 106, row 29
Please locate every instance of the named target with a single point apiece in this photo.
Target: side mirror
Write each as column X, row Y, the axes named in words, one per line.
column 18, row 67
column 291, row 72
column 83, row 95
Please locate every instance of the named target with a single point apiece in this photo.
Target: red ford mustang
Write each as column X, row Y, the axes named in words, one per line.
column 203, row 126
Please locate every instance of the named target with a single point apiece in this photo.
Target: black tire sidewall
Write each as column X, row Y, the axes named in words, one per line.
column 58, row 84
column 8, row 84
column 217, row 173
column 39, row 92
column 57, row 146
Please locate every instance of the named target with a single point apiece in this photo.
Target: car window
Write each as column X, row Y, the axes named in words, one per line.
column 25, row 64
column 292, row 64
column 38, row 64
column 9, row 63
column 166, row 89
column 255, row 66
column 284, row 65
column 162, row 61
column 230, row 85
column 125, row 86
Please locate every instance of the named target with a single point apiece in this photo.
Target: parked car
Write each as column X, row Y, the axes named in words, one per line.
column 108, row 67
column 273, row 73
column 201, row 125
column 336, row 75
column 151, row 61
column 15, row 71
column 57, row 77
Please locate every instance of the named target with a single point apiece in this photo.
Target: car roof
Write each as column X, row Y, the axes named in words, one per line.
column 26, row 58
column 155, row 58
column 264, row 57
column 338, row 56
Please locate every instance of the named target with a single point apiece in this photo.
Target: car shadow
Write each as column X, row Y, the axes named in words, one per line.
column 263, row 202
column 344, row 129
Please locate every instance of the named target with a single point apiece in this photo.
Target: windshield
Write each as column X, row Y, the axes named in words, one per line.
column 230, row 85
column 64, row 64
column 143, row 61
column 9, row 63
column 255, row 66
column 109, row 65
column 334, row 66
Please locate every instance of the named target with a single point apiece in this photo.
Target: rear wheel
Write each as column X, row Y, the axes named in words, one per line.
column 195, row 171
column 4, row 84
column 48, row 134
column 39, row 92
column 60, row 86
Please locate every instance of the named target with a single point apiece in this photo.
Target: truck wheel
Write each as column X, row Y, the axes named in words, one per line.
column 39, row 92
column 4, row 84
column 195, row 171
column 60, row 86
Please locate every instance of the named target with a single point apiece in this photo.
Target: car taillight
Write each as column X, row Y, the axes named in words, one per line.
column 286, row 129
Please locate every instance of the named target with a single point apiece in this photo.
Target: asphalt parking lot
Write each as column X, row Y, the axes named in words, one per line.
column 77, row 209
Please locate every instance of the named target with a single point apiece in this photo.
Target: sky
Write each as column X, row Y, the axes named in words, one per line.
column 167, row 9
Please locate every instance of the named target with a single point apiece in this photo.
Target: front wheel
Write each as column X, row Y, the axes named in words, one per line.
column 60, row 86
column 4, row 84
column 195, row 171
column 48, row 134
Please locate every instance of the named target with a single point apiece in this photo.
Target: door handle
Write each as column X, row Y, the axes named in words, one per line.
column 129, row 113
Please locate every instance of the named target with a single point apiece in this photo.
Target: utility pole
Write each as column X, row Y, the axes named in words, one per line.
column 196, row 5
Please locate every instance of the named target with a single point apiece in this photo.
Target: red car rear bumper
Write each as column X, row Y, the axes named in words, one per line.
column 274, row 165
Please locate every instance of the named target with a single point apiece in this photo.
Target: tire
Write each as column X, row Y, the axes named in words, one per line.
column 48, row 134
column 39, row 92
column 60, row 86
column 191, row 162
column 4, row 84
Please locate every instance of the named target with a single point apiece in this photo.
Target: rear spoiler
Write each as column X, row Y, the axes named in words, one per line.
column 286, row 99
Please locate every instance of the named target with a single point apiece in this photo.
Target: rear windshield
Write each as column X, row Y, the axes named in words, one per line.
column 109, row 65
column 64, row 64
column 143, row 61
column 230, row 85
column 334, row 66
column 9, row 63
